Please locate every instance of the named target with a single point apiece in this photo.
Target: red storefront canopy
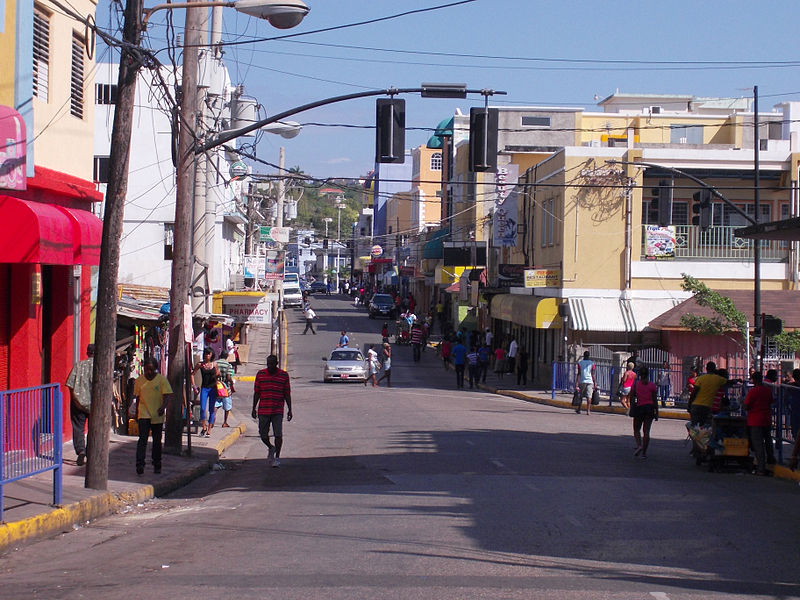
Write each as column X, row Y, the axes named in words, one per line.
column 34, row 232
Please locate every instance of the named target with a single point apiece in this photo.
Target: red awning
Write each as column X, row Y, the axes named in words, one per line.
column 87, row 234
column 33, row 232
column 454, row 288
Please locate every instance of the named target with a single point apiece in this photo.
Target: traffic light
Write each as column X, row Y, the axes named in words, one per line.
column 662, row 201
column 483, row 139
column 390, row 130
column 703, row 209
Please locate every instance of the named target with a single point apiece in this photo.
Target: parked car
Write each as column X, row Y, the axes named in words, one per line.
column 317, row 287
column 382, row 305
column 344, row 364
column 292, row 296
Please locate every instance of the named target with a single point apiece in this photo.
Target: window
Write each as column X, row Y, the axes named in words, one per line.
column 101, row 164
column 530, row 121
column 436, row 161
column 390, row 229
column 683, row 134
column 169, row 230
column 76, row 79
column 548, row 222
column 41, row 55
column 105, row 93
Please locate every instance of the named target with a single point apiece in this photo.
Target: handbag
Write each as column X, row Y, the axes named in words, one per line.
column 595, row 397
column 576, row 398
column 222, row 391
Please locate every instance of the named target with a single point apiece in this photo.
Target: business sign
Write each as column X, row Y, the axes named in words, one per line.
column 537, row 278
column 505, row 207
column 253, row 309
column 659, row 242
column 238, row 170
column 275, row 234
column 376, row 251
column 12, row 150
column 274, row 264
column 510, row 276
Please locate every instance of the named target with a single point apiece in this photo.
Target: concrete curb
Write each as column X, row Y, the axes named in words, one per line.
column 63, row 518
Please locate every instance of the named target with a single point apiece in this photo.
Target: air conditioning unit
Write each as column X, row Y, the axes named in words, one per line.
column 655, row 110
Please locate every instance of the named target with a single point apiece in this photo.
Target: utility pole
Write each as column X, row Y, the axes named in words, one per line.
column 117, row 190
column 277, row 286
column 181, row 250
column 757, row 243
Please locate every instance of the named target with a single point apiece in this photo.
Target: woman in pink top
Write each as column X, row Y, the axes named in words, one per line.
column 499, row 362
column 625, row 385
column 644, row 412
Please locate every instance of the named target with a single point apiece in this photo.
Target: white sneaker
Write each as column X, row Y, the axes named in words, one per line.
column 276, row 463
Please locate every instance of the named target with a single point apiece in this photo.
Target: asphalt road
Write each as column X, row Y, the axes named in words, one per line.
column 422, row 491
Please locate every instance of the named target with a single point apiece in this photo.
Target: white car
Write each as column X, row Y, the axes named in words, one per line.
column 344, row 364
column 292, row 296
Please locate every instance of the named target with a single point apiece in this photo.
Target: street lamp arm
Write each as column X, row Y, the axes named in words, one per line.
column 230, row 135
column 171, row 6
column 711, row 188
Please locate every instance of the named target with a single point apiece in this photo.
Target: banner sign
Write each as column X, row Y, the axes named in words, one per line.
column 248, row 309
column 505, row 207
column 537, row 278
column 510, row 276
column 275, row 234
column 12, row 150
column 659, row 242
column 274, row 265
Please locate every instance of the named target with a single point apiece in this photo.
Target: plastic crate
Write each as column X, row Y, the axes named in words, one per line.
column 735, row 447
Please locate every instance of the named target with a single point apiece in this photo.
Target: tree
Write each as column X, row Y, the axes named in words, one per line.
column 788, row 341
column 728, row 318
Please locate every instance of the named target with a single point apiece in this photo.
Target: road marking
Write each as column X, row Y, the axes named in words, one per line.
column 497, row 463
column 659, row 595
column 470, row 443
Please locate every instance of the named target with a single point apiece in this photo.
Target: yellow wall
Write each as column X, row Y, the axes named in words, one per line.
column 7, row 41
column 428, row 182
column 63, row 142
column 398, row 213
column 652, row 129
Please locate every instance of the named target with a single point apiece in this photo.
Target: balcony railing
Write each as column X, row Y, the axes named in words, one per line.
column 719, row 243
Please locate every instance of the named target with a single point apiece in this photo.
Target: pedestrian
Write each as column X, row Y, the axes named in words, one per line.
column 703, row 394
column 522, row 367
column 473, row 360
column 209, row 374
column 484, row 355
column 585, row 381
column 226, row 377
column 758, row 404
column 489, row 337
column 271, row 390
column 459, row 356
column 511, row 356
column 416, row 341
column 344, row 340
column 79, row 384
column 310, row 315
column 626, row 386
column 373, row 366
column 644, row 412
column 387, row 364
column 499, row 362
column 664, row 383
column 446, row 348
column 152, row 393
column 328, row 287
column 385, row 332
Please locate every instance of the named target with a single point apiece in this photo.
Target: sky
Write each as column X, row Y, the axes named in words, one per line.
column 568, row 53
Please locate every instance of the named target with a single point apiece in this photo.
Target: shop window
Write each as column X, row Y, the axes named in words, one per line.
column 105, row 93
column 101, row 164
column 436, row 161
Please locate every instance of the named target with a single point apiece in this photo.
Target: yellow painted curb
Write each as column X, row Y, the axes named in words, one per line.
column 786, row 473
column 244, row 377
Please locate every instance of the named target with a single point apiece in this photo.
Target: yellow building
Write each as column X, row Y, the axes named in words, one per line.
column 426, row 187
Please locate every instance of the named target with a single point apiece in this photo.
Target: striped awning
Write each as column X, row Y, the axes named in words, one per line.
column 616, row 314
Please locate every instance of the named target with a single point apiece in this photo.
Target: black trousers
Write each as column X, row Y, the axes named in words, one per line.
column 459, row 376
column 417, row 348
column 309, row 325
column 145, row 427
column 522, row 375
column 78, row 419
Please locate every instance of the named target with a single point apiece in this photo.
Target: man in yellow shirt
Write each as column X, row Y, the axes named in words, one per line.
column 152, row 392
column 705, row 389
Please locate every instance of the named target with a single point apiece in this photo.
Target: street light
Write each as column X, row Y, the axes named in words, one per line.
column 280, row 14
column 339, row 206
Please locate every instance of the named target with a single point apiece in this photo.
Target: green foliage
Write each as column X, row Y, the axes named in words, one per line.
column 788, row 341
column 313, row 209
column 728, row 318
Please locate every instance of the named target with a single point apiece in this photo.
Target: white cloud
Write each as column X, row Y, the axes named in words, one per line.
column 337, row 161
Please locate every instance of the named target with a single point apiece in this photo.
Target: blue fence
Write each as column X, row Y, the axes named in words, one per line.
column 564, row 375
column 30, row 436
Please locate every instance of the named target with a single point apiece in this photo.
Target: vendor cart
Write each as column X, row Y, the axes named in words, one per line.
column 402, row 332
column 725, row 443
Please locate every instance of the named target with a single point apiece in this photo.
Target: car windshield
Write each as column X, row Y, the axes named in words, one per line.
column 382, row 299
column 347, row 355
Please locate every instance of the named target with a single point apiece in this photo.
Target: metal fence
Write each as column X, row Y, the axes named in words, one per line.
column 30, row 436
column 565, row 373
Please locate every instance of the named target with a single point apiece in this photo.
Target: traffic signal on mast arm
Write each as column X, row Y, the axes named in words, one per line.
column 703, row 209
column 662, row 201
column 483, row 123
column 390, row 130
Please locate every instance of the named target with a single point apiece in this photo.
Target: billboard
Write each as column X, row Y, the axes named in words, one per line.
column 536, row 278
column 274, row 265
column 505, row 207
column 659, row 242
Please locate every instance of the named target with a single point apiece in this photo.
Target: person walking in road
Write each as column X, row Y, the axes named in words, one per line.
column 484, row 355
column 328, row 288
column 511, row 357
column 79, row 383
column 385, row 333
column 271, row 390
column 522, row 367
column 387, row 364
column 473, row 360
column 416, row 341
column 459, row 356
column 226, row 377
column 499, row 362
column 645, row 411
column 446, row 348
column 310, row 316
column 344, row 340
column 209, row 374
column 585, row 381
column 152, row 392
column 758, row 404
column 664, row 383
column 626, row 385
column 373, row 366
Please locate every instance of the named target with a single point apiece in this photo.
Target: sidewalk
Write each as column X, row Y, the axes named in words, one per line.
column 30, row 515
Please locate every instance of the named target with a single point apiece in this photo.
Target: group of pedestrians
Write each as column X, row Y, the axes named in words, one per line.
column 473, row 360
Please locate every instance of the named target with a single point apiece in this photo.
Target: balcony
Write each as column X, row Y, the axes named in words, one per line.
column 715, row 244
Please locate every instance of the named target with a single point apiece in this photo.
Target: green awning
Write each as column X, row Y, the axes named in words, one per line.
column 434, row 247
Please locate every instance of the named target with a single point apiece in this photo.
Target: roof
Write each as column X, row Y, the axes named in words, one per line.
column 787, row 230
column 784, row 304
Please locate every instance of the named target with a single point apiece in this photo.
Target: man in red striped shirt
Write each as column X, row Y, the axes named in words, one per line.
column 270, row 391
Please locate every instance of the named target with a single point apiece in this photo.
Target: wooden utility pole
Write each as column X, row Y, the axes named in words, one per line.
column 182, row 248
column 116, row 191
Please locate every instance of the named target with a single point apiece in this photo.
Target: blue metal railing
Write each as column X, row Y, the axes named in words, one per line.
column 30, row 436
column 564, row 375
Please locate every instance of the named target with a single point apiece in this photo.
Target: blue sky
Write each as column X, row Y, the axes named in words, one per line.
column 547, row 55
